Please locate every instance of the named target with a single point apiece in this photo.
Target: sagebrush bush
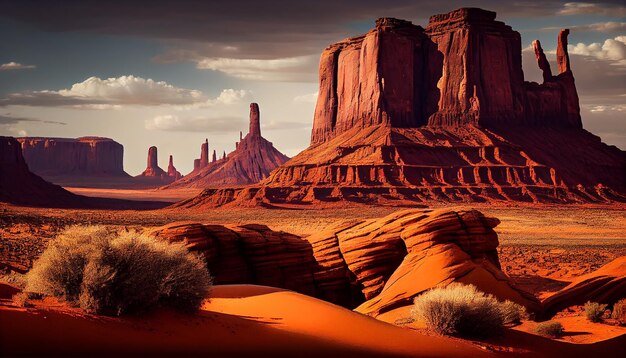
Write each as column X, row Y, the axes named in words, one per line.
column 512, row 313
column 594, row 311
column 459, row 310
column 552, row 329
column 113, row 273
column 619, row 311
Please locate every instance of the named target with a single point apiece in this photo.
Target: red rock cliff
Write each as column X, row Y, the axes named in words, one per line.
column 464, row 68
column 85, row 156
column 252, row 161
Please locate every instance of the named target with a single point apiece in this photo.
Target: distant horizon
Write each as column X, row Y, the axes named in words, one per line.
column 179, row 73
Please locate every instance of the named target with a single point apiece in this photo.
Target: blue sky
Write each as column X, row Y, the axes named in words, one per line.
column 208, row 60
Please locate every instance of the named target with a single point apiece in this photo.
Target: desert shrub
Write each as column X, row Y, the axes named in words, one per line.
column 459, row 310
column 59, row 270
column 552, row 329
column 619, row 311
column 21, row 300
column 594, row 311
column 512, row 313
column 114, row 273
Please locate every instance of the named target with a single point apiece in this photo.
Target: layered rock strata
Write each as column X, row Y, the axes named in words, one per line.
column 379, row 264
column 84, row 156
column 407, row 114
column 252, row 161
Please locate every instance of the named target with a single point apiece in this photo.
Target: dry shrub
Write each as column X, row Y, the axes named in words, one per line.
column 21, row 300
column 619, row 311
column 459, row 310
column 594, row 311
column 113, row 273
column 512, row 313
column 551, row 329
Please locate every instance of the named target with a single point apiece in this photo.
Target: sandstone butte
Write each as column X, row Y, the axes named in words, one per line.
column 252, row 161
column 377, row 266
column 74, row 157
column 153, row 171
column 441, row 114
column 20, row 186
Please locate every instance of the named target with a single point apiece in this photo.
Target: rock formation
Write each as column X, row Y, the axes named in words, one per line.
column 441, row 114
column 605, row 285
column 154, row 172
column 18, row 185
column 171, row 170
column 153, row 169
column 69, row 157
column 252, row 161
column 379, row 264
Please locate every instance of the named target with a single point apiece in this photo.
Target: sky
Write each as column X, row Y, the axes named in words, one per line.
column 171, row 73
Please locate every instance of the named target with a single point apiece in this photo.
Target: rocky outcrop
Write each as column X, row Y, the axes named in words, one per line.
column 153, row 169
column 69, row 157
column 252, row 161
column 18, row 185
column 380, row 264
column 605, row 285
column 171, row 170
column 154, row 173
column 407, row 114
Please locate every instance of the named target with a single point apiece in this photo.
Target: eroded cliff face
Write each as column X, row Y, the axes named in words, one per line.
column 85, row 156
column 252, row 161
column 377, row 265
column 18, row 185
column 406, row 114
column 464, row 68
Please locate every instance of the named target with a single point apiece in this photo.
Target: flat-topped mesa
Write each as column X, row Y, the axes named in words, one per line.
column 171, row 170
column 73, row 157
column 153, row 169
column 370, row 80
column 475, row 70
column 465, row 68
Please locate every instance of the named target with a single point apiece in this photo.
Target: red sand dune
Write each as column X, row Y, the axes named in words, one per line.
column 244, row 320
column 239, row 320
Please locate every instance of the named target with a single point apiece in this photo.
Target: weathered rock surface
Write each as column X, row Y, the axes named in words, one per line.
column 153, row 169
column 252, row 161
column 441, row 114
column 380, row 264
column 171, row 170
column 67, row 157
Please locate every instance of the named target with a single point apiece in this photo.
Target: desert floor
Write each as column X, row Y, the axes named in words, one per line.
column 543, row 248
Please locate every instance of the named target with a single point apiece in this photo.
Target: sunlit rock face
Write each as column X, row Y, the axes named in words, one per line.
column 407, row 114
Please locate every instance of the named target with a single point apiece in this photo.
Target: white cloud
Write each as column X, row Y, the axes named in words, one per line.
column 169, row 122
column 583, row 8
column 280, row 69
column 116, row 92
column 306, row 98
column 611, row 49
column 15, row 66
column 131, row 90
